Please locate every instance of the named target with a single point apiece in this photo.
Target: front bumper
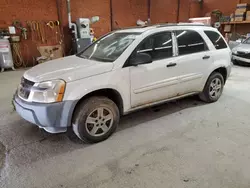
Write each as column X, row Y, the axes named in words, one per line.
column 54, row 117
column 234, row 57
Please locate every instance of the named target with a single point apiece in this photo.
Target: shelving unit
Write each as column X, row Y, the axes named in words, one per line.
column 233, row 23
column 235, row 26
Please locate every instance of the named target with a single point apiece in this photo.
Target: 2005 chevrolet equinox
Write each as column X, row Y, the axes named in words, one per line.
column 123, row 71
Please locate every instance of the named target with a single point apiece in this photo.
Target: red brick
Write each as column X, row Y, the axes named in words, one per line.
column 127, row 12
column 163, row 11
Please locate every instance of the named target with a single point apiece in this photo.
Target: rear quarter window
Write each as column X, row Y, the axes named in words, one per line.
column 216, row 39
column 190, row 42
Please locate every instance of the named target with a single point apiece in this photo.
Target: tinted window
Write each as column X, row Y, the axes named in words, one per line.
column 190, row 42
column 216, row 39
column 159, row 46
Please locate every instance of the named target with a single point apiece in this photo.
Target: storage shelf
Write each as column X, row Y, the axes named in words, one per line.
column 232, row 23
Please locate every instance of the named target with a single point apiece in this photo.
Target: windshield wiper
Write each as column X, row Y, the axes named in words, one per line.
column 102, row 59
column 83, row 56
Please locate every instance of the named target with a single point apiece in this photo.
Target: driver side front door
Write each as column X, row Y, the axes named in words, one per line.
column 157, row 81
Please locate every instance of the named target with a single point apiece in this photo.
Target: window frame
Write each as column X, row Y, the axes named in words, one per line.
column 212, row 41
column 126, row 64
column 177, row 45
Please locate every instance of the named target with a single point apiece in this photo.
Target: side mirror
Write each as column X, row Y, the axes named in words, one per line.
column 141, row 58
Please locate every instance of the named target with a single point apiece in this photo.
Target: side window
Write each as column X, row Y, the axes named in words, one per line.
column 190, row 42
column 159, row 46
column 216, row 39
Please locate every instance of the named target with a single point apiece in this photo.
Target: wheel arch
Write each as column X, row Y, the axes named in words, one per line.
column 222, row 71
column 110, row 93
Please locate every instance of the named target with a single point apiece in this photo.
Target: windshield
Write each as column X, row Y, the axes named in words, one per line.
column 109, row 48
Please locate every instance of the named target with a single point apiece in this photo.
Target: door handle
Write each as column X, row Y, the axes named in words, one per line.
column 206, row 57
column 171, row 64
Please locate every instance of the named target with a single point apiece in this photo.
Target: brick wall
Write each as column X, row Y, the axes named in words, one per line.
column 125, row 13
column 185, row 10
column 227, row 7
column 25, row 10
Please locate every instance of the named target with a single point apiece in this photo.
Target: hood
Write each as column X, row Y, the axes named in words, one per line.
column 68, row 68
column 242, row 48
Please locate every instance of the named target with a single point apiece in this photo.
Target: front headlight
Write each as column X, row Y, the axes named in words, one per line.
column 234, row 50
column 48, row 92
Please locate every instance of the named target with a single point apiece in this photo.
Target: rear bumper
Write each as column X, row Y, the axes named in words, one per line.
column 240, row 59
column 54, row 117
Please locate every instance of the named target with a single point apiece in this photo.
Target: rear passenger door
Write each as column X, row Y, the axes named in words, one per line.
column 193, row 60
column 221, row 51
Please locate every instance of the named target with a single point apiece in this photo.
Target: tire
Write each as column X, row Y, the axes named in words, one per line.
column 208, row 94
column 95, row 119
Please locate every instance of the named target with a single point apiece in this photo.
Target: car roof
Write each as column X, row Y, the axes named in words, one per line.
column 169, row 26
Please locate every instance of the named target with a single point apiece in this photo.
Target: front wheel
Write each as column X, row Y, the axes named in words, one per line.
column 95, row 119
column 213, row 88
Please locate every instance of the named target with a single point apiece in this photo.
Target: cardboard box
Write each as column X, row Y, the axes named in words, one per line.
column 248, row 16
column 243, row 7
column 239, row 12
column 204, row 20
column 227, row 28
column 239, row 16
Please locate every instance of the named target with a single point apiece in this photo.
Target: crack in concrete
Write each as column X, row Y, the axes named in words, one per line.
column 26, row 144
column 2, row 155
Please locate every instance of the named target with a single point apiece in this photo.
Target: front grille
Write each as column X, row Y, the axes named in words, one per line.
column 243, row 55
column 25, row 87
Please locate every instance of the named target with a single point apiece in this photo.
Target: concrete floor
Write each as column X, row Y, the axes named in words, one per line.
column 184, row 144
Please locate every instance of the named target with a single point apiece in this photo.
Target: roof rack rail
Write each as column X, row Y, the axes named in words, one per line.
column 182, row 24
column 133, row 27
column 164, row 25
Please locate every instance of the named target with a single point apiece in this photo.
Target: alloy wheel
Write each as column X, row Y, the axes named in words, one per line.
column 99, row 121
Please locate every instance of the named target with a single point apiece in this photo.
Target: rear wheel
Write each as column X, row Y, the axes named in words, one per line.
column 213, row 88
column 95, row 119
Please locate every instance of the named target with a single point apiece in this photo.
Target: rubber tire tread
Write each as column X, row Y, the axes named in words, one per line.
column 81, row 113
column 204, row 96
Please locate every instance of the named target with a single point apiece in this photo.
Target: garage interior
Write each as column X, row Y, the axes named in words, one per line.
column 37, row 35
column 184, row 143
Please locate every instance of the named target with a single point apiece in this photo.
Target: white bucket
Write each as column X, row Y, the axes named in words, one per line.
column 6, row 60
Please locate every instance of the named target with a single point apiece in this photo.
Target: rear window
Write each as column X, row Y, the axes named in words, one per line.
column 216, row 39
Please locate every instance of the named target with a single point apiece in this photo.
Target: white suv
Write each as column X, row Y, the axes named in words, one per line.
column 124, row 71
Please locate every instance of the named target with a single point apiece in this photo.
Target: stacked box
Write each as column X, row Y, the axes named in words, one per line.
column 227, row 28
column 248, row 16
column 242, row 7
column 239, row 16
column 240, row 13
